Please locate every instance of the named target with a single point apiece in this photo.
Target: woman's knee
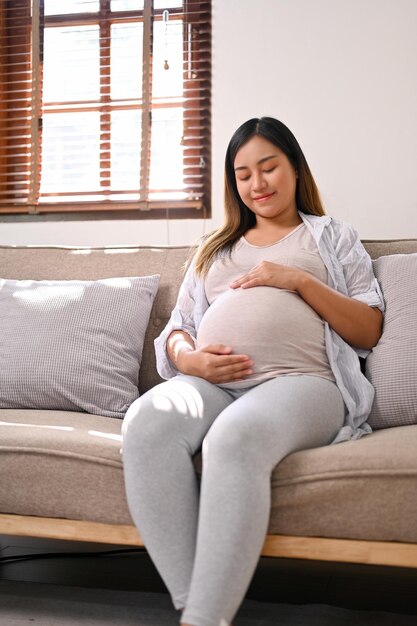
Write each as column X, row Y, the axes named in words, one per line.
column 170, row 414
column 135, row 427
column 145, row 426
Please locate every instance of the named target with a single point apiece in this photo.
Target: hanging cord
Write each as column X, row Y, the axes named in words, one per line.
column 165, row 18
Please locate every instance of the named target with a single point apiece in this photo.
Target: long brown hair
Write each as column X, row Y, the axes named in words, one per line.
column 238, row 217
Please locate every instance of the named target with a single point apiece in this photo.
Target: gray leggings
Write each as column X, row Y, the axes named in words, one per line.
column 206, row 542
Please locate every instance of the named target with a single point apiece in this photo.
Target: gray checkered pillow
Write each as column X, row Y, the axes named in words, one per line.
column 73, row 345
column 392, row 365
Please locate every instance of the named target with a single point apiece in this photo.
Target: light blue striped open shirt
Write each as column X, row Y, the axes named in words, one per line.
column 349, row 271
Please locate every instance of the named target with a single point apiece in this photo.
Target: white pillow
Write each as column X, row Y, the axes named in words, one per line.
column 73, row 345
column 392, row 365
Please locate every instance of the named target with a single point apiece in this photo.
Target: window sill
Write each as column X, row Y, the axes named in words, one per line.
column 93, row 216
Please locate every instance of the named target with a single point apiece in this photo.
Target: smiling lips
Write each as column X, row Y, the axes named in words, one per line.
column 263, row 198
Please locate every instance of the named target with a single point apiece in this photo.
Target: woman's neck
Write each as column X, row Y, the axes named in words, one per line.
column 266, row 232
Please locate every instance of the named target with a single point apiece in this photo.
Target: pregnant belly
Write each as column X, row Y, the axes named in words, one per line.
column 275, row 327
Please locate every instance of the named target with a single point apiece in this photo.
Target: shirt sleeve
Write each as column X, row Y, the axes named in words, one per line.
column 182, row 318
column 357, row 268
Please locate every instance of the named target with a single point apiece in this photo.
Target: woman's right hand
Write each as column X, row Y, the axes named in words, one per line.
column 215, row 362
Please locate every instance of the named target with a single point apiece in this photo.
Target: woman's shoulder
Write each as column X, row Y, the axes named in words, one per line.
column 336, row 234
column 331, row 223
column 346, row 242
column 336, row 228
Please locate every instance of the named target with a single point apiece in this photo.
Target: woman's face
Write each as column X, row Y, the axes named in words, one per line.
column 266, row 181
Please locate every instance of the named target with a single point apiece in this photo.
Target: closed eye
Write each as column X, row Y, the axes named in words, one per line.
column 268, row 171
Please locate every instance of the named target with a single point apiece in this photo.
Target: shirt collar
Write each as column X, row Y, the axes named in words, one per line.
column 315, row 223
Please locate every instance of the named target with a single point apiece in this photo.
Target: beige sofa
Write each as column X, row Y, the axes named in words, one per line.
column 61, row 471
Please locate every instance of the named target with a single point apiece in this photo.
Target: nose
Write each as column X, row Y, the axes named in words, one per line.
column 258, row 181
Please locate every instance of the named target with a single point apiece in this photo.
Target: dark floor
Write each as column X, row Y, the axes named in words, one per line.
column 276, row 580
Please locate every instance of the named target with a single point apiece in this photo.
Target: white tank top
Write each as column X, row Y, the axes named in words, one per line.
column 275, row 327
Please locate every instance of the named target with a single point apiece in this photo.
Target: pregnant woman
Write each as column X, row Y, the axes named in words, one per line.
column 261, row 353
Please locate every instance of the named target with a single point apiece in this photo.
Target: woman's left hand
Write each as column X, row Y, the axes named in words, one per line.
column 269, row 274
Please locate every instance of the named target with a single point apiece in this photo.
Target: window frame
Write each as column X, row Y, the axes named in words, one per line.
column 198, row 91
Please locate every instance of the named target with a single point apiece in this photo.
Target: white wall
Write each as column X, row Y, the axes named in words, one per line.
column 341, row 74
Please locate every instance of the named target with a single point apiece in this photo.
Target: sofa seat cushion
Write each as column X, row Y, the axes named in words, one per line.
column 364, row 489
column 61, row 464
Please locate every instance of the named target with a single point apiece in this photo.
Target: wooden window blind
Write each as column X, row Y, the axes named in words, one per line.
column 105, row 105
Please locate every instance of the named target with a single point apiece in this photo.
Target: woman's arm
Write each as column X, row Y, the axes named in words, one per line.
column 214, row 362
column 357, row 323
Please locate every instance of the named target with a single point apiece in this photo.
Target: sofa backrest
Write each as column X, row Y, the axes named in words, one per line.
column 66, row 263
column 382, row 247
column 62, row 263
